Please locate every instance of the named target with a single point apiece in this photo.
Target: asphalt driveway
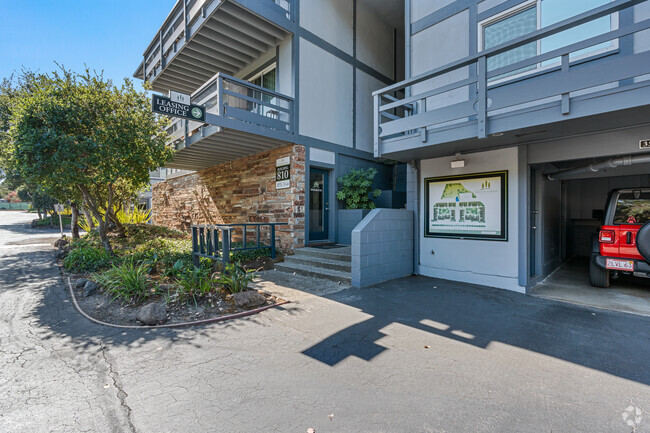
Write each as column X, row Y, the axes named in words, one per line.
column 413, row 355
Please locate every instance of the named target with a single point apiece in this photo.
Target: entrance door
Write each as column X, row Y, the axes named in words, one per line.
column 318, row 204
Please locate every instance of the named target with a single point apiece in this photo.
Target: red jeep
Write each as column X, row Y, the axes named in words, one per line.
column 623, row 243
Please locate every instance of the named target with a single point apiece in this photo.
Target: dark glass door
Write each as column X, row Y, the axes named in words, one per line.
column 318, row 204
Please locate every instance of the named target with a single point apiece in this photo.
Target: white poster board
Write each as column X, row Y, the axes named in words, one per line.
column 472, row 206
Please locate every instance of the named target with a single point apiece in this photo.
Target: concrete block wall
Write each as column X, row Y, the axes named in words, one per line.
column 382, row 247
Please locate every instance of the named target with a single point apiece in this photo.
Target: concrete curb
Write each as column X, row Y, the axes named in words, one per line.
column 175, row 325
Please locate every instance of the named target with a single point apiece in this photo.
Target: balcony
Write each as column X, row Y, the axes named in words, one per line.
column 242, row 119
column 201, row 38
column 464, row 106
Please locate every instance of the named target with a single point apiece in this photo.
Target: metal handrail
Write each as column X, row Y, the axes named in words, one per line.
column 214, row 241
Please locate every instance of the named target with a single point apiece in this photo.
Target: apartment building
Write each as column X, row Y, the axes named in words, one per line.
column 506, row 123
column 287, row 86
column 516, row 118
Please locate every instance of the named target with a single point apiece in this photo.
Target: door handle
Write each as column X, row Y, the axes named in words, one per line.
column 629, row 237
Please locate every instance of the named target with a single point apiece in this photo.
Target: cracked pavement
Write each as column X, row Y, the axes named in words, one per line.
column 496, row 361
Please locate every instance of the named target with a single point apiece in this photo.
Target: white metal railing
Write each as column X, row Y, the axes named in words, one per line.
column 241, row 101
column 439, row 99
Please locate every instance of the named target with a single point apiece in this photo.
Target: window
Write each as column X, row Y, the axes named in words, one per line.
column 265, row 79
column 632, row 208
column 536, row 14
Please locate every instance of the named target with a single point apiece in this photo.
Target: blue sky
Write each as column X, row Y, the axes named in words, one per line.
column 108, row 35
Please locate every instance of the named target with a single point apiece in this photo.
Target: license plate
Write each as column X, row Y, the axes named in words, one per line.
column 622, row 265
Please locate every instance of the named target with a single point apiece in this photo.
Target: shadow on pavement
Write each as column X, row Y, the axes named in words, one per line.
column 615, row 343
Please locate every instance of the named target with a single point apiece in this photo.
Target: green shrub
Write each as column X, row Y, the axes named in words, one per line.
column 356, row 189
column 127, row 283
column 86, row 259
column 249, row 255
column 194, row 282
column 235, row 278
column 133, row 216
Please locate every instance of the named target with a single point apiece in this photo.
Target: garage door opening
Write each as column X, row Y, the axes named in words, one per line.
column 565, row 215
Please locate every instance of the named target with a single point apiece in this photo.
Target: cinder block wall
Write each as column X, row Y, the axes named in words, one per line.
column 382, row 247
column 237, row 192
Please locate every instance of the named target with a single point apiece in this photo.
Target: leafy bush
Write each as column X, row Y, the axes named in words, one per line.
column 193, row 282
column 127, row 282
column 249, row 255
column 356, row 189
column 84, row 225
column 235, row 278
column 86, row 259
column 133, row 216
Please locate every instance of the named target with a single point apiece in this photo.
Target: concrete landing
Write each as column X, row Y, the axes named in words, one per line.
column 570, row 283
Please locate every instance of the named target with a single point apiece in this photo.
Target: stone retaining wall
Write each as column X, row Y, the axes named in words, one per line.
column 237, row 192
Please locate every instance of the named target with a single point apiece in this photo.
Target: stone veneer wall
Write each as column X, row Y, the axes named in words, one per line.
column 237, row 192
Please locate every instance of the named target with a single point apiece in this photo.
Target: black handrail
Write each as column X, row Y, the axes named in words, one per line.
column 215, row 241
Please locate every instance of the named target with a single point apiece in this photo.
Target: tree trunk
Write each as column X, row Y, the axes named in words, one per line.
column 102, row 219
column 119, row 227
column 88, row 216
column 74, row 222
column 40, row 216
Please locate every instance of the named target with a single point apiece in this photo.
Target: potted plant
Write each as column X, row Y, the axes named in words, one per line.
column 356, row 192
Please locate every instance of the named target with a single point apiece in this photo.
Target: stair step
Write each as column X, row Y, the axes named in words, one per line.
column 318, row 262
column 314, row 272
column 338, row 254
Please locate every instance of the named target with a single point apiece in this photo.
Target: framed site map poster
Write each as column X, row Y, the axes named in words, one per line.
column 469, row 206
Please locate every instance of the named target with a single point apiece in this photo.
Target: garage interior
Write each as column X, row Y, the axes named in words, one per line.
column 565, row 213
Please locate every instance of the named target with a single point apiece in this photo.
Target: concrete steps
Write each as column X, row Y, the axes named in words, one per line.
column 328, row 264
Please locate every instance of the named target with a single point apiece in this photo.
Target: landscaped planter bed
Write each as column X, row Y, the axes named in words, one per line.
column 100, row 307
column 151, row 280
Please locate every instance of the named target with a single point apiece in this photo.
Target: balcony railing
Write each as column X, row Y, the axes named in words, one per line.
column 188, row 17
column 438, row 100
column 238, row 104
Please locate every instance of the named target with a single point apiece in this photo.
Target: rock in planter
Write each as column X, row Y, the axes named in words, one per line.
column 80, row 283
column 153, row 314
column 90, row 288
column 60, row 243
column 249, row 299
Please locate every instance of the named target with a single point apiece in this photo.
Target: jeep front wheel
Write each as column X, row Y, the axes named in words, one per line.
column 598, row 277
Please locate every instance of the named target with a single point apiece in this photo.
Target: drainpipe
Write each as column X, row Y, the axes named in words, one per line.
column 618, row 161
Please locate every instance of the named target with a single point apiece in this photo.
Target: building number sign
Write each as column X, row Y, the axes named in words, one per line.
column 283, row 173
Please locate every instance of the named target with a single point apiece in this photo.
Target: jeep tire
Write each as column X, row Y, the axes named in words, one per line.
column 598, row 277
column 643, row 241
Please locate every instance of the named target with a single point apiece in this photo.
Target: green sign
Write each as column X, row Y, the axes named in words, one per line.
column 164, row 105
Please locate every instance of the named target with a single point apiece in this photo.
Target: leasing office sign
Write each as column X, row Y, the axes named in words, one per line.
column 164, row 105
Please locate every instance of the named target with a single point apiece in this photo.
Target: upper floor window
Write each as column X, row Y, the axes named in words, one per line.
column 535, row 14
column 265, row 79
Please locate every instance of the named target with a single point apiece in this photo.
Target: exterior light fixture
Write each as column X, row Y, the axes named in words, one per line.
column 457, row 162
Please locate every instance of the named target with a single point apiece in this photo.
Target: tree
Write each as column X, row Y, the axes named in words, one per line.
column 81, row 136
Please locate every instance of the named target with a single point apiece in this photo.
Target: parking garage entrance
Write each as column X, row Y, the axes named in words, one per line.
column 566, row 210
